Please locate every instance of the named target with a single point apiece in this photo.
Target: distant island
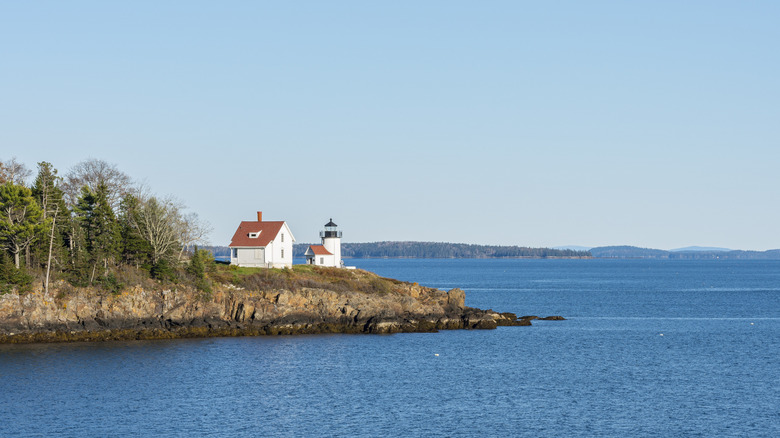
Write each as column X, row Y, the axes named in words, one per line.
column 692, row 253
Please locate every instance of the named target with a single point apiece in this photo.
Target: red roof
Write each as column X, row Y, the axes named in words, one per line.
column 319, row 250
column 268, row 232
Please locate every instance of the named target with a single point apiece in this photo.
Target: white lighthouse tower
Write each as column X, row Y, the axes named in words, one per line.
column 331, row 240
column 329, row 253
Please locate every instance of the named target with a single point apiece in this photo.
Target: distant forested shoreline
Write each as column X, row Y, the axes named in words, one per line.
column 429, row 250
column 444, row 250
column 435, row 250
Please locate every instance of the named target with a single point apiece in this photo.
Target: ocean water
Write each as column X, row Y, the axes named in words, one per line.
column 651, row 348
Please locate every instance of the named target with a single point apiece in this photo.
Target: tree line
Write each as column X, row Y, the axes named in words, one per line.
column 91, row 226
column 443, row 250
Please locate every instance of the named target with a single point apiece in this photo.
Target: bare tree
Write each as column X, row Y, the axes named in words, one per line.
column 51, row 246
column 92, row 173
column 192, row 230
column 159, row 222
column 14, row 172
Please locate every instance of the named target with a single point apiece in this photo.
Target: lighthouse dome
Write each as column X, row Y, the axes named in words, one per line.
column 331, row 230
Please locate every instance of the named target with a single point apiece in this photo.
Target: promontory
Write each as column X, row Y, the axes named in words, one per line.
column 240, row 302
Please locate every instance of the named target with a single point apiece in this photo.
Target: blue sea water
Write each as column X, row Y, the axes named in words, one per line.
column 651, row 348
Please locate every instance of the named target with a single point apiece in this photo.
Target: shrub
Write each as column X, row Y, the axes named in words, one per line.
column 12, row 278
column 111, row 283
column 163, row 271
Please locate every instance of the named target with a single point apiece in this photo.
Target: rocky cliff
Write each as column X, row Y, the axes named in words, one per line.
column 344, row 305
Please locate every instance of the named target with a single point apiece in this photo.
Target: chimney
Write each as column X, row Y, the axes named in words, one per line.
column 259, row 216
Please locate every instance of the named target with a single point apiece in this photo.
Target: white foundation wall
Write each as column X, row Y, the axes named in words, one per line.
column 249, row 257
column 277, row 254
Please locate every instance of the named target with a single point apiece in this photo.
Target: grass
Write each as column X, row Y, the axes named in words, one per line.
column 305, row 276
column 255, row 279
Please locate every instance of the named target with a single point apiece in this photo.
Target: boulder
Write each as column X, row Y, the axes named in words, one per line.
column 456, row 299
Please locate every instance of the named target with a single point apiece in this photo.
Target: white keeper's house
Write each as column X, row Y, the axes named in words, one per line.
column 329, row 253
column 266, row 244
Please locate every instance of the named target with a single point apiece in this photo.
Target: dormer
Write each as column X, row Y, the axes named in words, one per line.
column 254, row 235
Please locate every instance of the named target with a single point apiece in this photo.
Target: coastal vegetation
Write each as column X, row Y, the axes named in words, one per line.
column 93, row 227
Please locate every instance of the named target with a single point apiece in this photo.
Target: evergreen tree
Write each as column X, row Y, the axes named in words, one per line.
column 78, row 269
column 162, row 270
column 100, row 227
column 7, row 272
column 10, row 276
column 19, row 219
column 45, row 189
column 49, row 196
column 196, row 268
column 133, row 248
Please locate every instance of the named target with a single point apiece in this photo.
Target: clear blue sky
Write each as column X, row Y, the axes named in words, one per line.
column 543, row 123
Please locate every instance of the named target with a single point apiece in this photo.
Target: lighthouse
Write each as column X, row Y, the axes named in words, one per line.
column 329, row 253
column 331, row 240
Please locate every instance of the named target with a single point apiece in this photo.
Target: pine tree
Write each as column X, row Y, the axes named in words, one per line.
column 6, row 270
column 10, row 276
column 100, row 227
column 19, row 219
column 49, row 196
column 134, row 250
column 45, row 189
column 196, row 268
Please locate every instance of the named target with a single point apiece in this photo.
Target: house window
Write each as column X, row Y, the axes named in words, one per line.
column 282, row 250
column 283, row 240
column 253, row 235
column 235, row 253
column 322, row 260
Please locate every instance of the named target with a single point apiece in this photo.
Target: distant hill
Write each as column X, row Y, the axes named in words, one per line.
column 443, row 250
column 700, row 248
column 628, row 252
column 633, row 252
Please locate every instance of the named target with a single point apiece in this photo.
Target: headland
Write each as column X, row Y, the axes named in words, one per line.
column 243, row 302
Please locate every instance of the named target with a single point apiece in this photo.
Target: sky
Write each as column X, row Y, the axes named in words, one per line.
column 545, row 123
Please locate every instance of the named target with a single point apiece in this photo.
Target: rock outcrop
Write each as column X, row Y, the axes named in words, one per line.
column 173, row 312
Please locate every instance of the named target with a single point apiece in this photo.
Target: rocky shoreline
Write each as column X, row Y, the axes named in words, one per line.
column 182, row 312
